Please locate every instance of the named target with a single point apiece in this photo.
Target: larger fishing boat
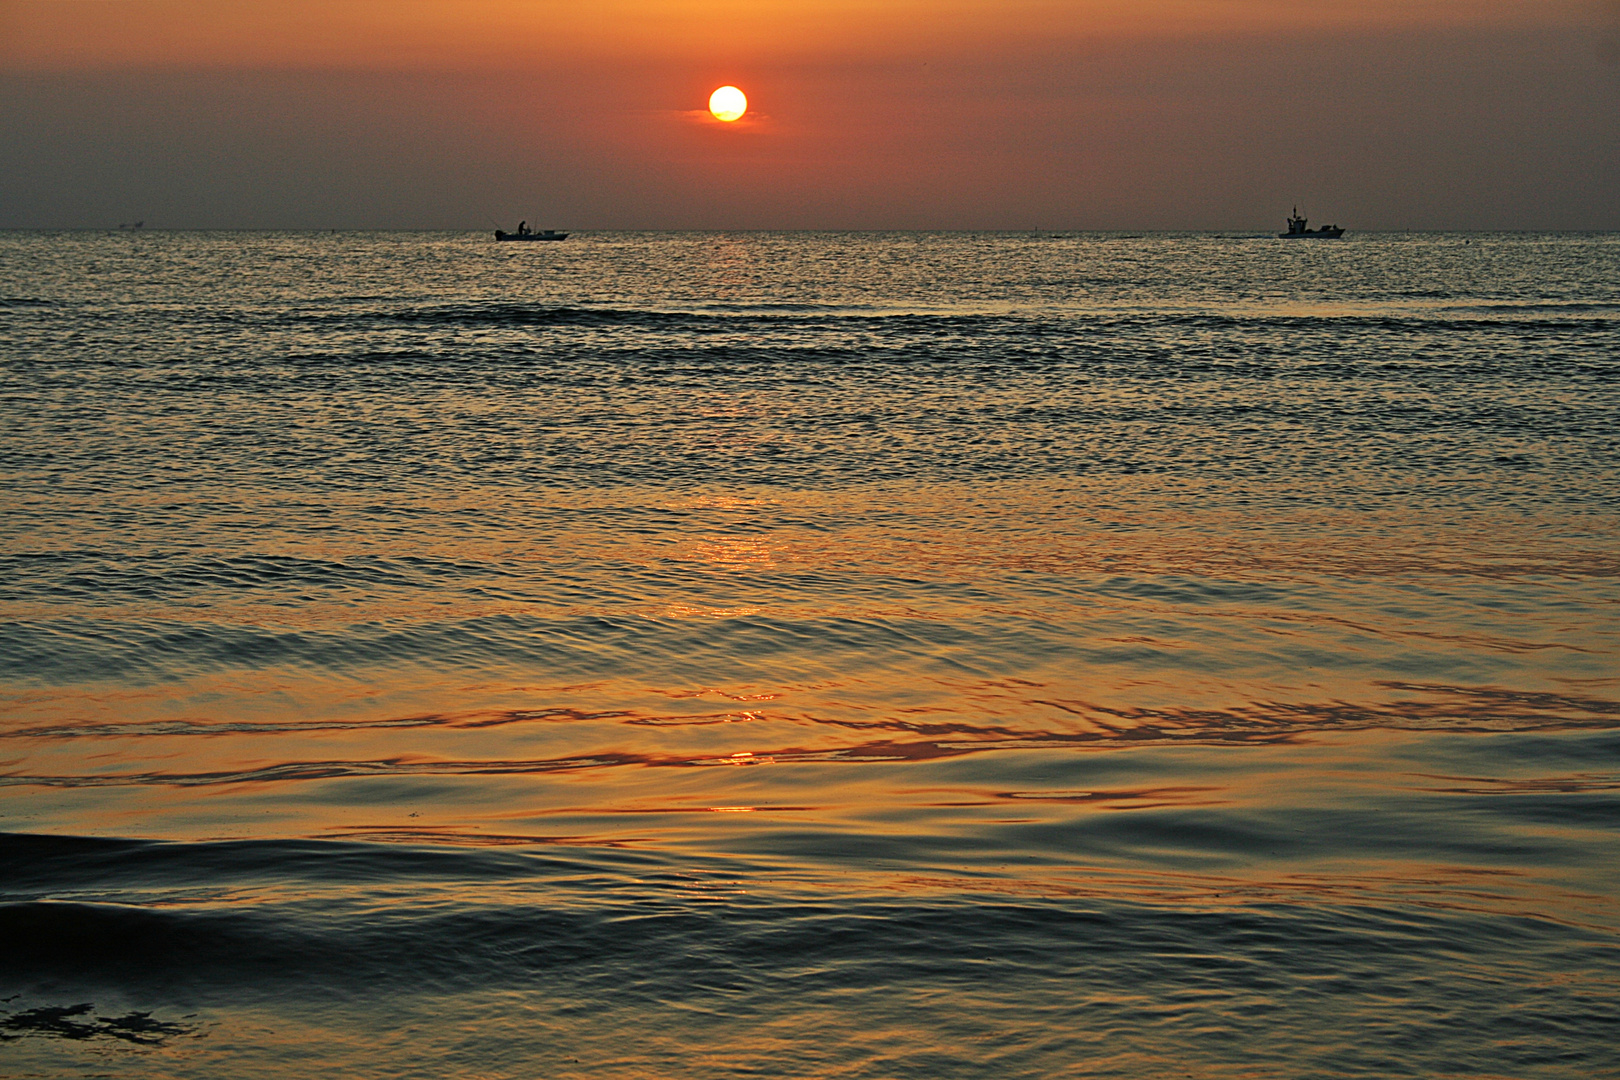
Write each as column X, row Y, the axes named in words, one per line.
column 1298, row 231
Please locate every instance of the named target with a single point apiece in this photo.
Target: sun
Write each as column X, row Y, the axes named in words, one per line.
column 728, row 103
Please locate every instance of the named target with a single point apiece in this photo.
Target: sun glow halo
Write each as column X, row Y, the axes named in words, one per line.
column 728, row 103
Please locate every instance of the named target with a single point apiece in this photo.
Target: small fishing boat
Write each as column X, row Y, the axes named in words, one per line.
column 1298, row 231
column 526, row 233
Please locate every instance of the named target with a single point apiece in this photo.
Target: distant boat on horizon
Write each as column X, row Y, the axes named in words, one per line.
column 1298, row 231
column 526, row 233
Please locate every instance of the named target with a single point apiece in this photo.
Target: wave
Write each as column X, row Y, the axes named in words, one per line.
column 845, row 741
column 94, row 577
column 1010, row 319
column 707, row 317
column 326, row 941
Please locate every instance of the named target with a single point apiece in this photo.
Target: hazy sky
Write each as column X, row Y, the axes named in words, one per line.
column 878, row 114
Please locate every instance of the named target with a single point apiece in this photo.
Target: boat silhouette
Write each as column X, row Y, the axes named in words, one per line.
column 1298, row 231
column 526, row 233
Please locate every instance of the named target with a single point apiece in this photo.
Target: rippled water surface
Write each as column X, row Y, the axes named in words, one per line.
column 809, row 655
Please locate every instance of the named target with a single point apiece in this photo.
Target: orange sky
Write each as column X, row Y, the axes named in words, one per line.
column 877, row 113
column 480, row 34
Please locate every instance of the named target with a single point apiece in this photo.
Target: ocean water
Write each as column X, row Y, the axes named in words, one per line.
column 809, row 655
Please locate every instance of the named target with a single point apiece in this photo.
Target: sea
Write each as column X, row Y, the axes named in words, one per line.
column 857, row 656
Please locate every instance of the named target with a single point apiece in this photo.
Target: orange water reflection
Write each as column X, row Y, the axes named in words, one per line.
column 1145, row 694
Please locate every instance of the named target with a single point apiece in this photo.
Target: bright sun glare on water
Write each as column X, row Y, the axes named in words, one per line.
column 728, row 103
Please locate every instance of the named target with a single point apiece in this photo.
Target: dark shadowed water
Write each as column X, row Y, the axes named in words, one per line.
column 809, row 655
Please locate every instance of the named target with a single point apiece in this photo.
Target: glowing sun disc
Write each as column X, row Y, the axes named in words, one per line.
column 728, row 103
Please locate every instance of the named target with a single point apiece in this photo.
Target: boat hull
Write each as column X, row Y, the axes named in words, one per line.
column 1327, row 232
column 547, row 235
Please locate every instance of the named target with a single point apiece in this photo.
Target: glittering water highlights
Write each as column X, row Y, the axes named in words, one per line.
column 809, row 655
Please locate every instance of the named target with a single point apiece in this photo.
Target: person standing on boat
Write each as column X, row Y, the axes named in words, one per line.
column 523, row 227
